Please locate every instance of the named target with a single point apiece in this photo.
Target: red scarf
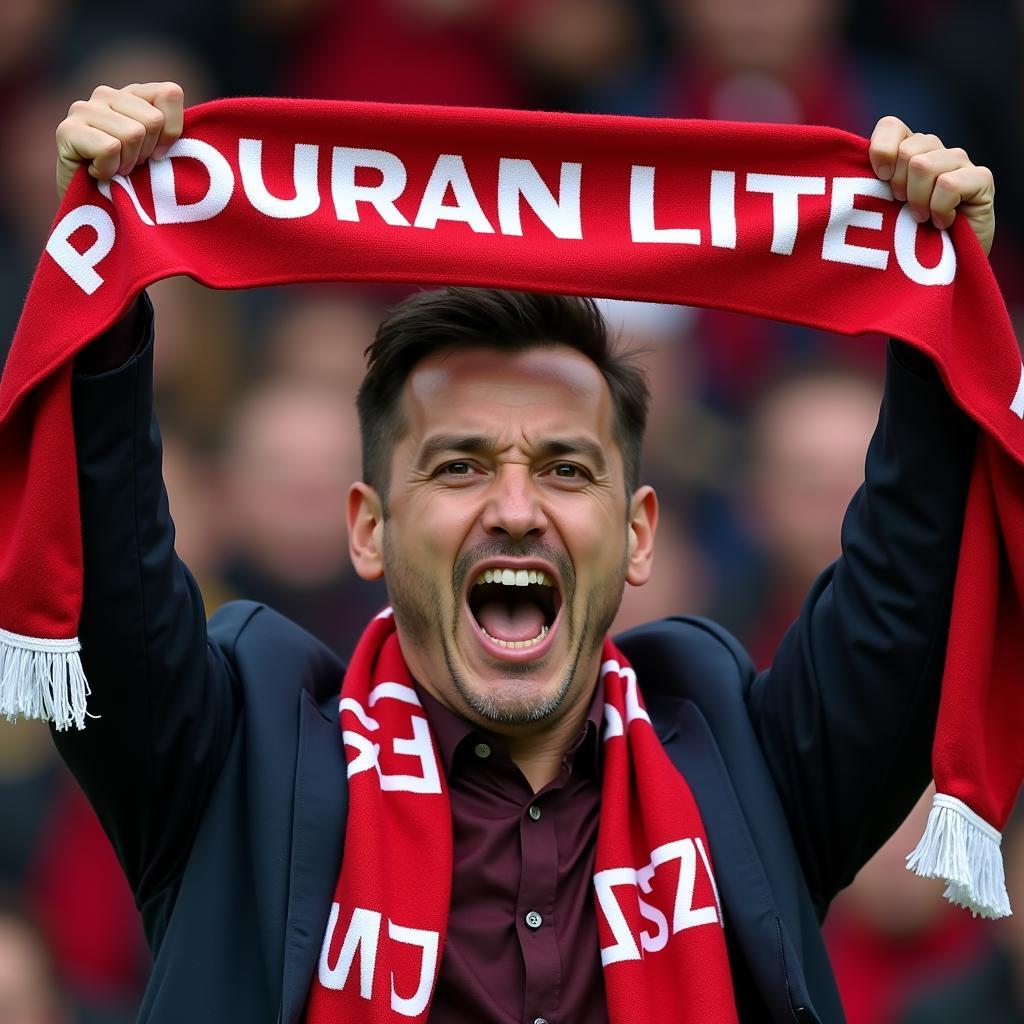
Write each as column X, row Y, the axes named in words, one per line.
column 784, row 222
column 659, row 919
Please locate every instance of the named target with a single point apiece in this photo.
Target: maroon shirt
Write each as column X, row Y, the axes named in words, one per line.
column 522, row 930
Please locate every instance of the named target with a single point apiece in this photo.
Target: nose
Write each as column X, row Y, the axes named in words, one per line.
column 514, row 508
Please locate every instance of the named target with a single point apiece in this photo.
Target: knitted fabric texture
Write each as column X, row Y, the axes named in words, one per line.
column 784, row 222
column 659, row 921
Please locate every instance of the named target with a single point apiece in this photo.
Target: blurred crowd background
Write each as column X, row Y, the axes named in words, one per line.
column 758, row 430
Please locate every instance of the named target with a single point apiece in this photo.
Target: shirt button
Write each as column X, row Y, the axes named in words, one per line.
column 534, row 920
column 482, row 750
column 534, row 813
column 539, row 1020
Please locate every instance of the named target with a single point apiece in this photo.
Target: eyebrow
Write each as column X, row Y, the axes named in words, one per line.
column 481, row 444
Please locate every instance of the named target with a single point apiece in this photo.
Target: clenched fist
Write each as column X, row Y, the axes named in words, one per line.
column 938, row 182
column 115, row 130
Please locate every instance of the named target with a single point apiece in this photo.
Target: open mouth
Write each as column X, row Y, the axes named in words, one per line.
column 515, row 608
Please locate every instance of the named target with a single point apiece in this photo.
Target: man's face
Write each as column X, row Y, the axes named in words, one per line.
column 508, row 534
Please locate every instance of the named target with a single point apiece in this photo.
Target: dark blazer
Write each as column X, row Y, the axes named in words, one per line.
column 217, row 769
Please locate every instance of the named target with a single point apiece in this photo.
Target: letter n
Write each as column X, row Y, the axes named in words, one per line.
column 362, row 937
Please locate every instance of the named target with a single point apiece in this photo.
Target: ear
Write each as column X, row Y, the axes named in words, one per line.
column 365, row 531
column 643, row 523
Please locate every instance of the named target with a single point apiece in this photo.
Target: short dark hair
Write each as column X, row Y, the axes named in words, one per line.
column 509, row 321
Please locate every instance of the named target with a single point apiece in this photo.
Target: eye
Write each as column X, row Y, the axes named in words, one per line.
column 459, row 468
column 569, row 471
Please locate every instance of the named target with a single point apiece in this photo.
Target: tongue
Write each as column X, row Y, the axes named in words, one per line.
column 520, row 621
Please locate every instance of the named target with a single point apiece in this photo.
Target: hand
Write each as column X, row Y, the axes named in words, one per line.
column 937, row 182
column 115, row 130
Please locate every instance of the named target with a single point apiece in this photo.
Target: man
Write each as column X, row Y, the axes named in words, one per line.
column 501, row 504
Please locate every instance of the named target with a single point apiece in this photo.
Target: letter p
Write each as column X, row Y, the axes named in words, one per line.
column 80, row 266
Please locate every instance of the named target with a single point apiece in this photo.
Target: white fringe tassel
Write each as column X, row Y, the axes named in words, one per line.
column 963, row 849
column 42, row 679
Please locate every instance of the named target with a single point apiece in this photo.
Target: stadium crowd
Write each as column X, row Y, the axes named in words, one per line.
column 758, row 429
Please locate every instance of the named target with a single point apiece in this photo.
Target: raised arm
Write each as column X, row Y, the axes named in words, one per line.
column 164, row 697
column 846, row 713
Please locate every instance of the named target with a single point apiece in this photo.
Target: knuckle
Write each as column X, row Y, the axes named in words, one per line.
column 109, row 149
column 78, row 108
column 153, row 120
column 103, row 92
column 920, row 162
column 908, row 147
column 171, row 92
column 891, row 120
column 135, row 133
column 960, row 154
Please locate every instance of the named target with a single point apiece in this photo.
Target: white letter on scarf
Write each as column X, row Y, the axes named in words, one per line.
column 641, row 212
column 427, row 941
column 346, row 193
column 421, row 747
column 1017, row 405
column 520, row 179
column 451, row 171
column 906, row 253
column 161, row 175
column 684, row 915
column 624, row 947
column 614, row 725
column 651, row 943
column 362, row 937
column 785, row 190
column 845, row 215
column 304, row 167
column 79, row 265
column 126, row 184
column 723, row 209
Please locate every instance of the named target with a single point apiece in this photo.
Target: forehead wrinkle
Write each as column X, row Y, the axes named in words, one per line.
column 468, row 443
column 492, row 445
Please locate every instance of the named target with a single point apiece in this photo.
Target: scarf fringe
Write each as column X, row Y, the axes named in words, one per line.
column 962, row 848
column 42, row 679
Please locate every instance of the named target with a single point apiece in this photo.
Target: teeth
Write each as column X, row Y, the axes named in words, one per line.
column 514, row 577
column 517, row 644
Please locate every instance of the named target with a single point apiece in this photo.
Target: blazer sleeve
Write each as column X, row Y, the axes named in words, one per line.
column 163, row 700
column 846, row 713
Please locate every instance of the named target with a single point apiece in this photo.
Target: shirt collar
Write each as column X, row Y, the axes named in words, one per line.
column 451, row 731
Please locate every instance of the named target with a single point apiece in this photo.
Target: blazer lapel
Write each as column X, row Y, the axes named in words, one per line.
column 747, row 902
column 318, row 835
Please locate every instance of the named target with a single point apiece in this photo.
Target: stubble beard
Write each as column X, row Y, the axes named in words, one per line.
column 417, row 600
